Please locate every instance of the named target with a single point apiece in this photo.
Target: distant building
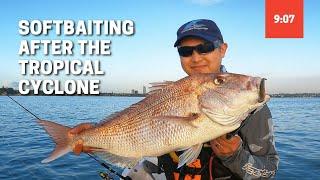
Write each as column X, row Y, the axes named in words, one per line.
column 133, row 91
column 144, row 90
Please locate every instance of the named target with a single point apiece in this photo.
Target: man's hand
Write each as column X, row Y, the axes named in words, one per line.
column 78, row 145
column 224, row 147
column 79, row 128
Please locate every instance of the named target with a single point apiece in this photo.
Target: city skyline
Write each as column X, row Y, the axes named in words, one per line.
column 4, row 91
column 148, row 56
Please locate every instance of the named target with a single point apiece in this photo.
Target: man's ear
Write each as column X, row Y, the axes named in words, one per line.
column 223, row 49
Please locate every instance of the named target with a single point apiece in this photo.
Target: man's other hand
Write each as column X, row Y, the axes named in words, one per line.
column 223, row 147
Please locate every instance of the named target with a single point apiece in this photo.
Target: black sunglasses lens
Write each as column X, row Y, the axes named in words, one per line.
column 205, row 48
column 185, row 51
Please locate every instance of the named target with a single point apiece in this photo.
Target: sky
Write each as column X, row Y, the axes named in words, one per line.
column 290, row 65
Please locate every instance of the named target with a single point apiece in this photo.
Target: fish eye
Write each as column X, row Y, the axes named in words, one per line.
column 218, row 81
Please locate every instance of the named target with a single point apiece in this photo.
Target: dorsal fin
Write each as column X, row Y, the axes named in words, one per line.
column 156, row 86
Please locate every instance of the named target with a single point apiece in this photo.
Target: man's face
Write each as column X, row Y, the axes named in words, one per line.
column 202, row 63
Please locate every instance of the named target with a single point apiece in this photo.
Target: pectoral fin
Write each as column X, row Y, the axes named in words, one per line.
column 193, row 119
column 190, row 155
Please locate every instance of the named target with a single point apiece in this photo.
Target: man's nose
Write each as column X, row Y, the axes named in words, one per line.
column 195, row 57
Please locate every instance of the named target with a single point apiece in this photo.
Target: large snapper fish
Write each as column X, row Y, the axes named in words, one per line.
column 175, row 116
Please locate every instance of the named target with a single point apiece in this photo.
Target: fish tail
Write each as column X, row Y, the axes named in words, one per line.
column 60, row 135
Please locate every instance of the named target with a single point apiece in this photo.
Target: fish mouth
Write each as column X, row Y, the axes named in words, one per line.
column 262, row 91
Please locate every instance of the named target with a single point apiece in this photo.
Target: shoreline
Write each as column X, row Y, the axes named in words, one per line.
column 302, row 95
column 14, row 92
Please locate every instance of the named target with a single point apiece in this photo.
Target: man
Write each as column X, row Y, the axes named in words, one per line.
column 247, row 153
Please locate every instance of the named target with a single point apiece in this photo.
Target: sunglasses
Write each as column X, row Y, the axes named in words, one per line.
column 186, row 51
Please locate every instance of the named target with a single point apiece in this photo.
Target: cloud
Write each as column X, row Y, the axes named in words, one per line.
column 206, row 2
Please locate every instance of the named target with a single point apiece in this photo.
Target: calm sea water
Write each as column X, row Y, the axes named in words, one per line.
column 23, row 144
